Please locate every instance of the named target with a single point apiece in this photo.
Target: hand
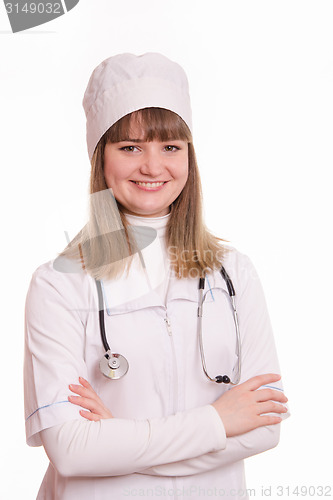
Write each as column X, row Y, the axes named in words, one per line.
column 90, row 400
column 242, row 408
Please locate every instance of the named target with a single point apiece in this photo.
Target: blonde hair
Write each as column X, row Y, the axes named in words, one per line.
column 193, row 250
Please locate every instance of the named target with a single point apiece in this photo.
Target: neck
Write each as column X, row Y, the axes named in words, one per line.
column 158, row 223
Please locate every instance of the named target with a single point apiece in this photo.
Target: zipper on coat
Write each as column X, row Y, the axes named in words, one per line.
column 174, row 366
column 168, row 324
column 175, row 388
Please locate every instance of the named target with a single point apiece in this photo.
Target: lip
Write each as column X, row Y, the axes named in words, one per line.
column 149, row 188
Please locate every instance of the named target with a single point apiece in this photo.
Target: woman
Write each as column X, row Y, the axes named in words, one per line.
column 164, row 427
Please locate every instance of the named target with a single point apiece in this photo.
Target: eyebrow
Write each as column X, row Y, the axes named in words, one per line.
column 143, row 140
column 132, row 140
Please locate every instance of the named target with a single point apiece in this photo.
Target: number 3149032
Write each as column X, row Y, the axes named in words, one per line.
column 34, row 8
column 302, row 491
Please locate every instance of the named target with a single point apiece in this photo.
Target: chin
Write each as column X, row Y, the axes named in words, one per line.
column 150, row 212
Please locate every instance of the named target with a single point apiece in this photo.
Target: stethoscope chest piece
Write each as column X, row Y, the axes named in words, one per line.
column 113, row 365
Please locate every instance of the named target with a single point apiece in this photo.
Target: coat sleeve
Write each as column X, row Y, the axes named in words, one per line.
column 54, row 355
column 114, row 447
column 54, row 349
column 258, row 357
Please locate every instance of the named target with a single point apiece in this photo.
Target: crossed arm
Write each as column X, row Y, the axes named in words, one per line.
column 79, row 449
column 235, row 426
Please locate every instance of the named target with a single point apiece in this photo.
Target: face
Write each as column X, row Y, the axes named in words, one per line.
column 146, row 177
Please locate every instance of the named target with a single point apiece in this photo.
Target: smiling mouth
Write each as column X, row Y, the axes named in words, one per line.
column 149, row 184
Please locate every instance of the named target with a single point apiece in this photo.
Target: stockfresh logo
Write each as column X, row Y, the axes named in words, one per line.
column 24, row 15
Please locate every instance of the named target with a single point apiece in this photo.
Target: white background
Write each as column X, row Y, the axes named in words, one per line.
column 261, row 79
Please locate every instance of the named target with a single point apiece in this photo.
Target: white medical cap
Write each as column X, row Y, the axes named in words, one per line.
column 125, row 83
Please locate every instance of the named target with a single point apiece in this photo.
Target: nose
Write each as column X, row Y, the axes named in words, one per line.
column 152, row 162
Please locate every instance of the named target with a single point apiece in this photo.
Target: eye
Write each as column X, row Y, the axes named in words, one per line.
column 170, row 148
column 129, row 149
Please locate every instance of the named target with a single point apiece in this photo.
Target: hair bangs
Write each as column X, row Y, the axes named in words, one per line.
column 157, row 124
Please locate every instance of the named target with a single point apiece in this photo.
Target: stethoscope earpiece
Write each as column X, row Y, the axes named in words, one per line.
column 222, row 379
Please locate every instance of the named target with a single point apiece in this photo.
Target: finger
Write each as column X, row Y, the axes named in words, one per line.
column 84, row 392
column 98, row 409
column 272, row 394
column 85, row 383
column 264, row 420
column 255, row 382
column 87, row 403
column 271, row 407
column 78, row 389
column 90, row 416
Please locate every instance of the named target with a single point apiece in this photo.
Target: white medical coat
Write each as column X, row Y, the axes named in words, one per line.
column 149, row 451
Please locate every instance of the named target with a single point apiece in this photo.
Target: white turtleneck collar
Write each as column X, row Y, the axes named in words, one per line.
column 157, row 265
column 158, row 223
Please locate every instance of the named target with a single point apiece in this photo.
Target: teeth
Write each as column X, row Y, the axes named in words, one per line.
column 149, row 184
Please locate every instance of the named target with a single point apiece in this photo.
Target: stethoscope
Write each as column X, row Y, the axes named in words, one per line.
column 114, row 365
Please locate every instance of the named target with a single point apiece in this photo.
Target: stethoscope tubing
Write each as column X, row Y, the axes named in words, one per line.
column 101, row 315
column 219, row 378
column 112, row 360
